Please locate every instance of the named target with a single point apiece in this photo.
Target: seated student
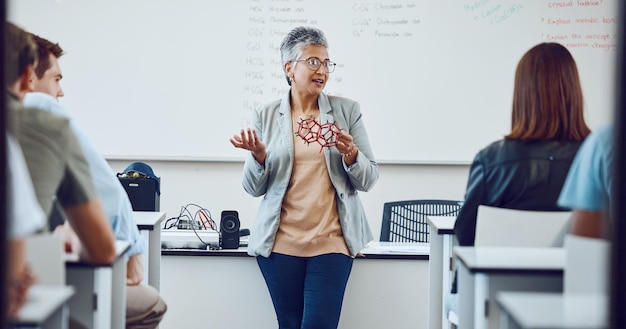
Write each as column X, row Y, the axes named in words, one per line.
column 53, row 156
column 25, row 218
column 144, row 307
column 527, row 168
column 587, row 189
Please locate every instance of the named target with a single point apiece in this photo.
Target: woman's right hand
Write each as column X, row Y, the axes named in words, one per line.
column 248, row 139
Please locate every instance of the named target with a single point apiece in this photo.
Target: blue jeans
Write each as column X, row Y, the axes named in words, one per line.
column 307, row 292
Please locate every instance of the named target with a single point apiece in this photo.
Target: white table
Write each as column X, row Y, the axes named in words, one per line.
column 535, row 310
column 149, row 225
column 483, row 271
column 46, row 308
column 100, row 300
column 439, row 268
column 225, row 289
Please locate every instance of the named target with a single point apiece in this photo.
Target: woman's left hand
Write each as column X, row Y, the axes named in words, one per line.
column 344, row 142
column 345, row 146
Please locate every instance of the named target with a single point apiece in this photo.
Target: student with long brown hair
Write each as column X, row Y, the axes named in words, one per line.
column 527, row 168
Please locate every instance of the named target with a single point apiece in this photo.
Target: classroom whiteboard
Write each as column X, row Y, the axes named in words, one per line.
column 163, row 79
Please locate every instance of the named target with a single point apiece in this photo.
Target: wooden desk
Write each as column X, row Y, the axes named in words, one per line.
column 534, row 310
column 100, row 300
column 225, row 289
column 149, row 225
column 439, row 268
column 46, row 308
column 483, row 271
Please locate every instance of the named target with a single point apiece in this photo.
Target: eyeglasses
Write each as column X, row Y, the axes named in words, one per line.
column 314, row 63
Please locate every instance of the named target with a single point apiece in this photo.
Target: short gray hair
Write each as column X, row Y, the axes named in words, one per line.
column 296, row 40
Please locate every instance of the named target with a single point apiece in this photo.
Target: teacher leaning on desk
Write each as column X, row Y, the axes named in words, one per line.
column 311, row 222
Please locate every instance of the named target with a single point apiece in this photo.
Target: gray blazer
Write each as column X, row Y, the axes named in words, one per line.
column 274, row 126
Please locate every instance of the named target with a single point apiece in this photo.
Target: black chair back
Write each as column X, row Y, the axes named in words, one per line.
column 405, row 221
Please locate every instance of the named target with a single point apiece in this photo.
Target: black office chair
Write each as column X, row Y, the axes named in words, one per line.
column 405, row 221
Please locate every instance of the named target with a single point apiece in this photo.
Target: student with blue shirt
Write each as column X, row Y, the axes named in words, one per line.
column 56, row 166
column 52, row 154
column 144, row 307
column 587, row 189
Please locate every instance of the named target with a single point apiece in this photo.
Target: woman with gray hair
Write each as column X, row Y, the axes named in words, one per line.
column 309, row 156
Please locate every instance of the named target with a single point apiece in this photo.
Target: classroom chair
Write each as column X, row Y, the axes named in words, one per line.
column 587, row 266
column 501, row 227
column 405, row 221
column 45, row 256
column 47, row 305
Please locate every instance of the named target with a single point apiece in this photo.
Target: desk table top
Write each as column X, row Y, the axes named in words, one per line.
column 43, row 300
column 148, row 220
column 555, row 310
column 73, row 259
column 511, row 259
column 442, row 224
column 374, row 250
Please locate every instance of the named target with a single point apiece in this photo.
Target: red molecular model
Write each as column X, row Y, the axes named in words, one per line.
column 312, row 131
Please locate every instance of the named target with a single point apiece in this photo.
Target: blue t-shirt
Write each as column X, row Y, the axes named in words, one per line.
column 590, row 178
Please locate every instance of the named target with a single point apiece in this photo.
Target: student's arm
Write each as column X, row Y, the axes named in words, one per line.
column 589, row 224
column 134, row 270
column 16, row 255
column 94, row 231
column 465, row 225
column 19, row 278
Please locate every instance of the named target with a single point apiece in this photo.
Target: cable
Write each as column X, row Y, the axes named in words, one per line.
column 201, row 218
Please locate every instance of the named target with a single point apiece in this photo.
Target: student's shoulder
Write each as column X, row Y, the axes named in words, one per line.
column 496, row 148
column 503, row 151
column 45, row 133
column 602, row 135
column 598, row 145
column 44, row 102
column 42, row 121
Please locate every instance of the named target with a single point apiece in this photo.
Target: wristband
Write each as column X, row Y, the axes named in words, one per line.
column 347, row 155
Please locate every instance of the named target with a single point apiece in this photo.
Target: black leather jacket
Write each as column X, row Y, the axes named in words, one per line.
column 526, row 175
